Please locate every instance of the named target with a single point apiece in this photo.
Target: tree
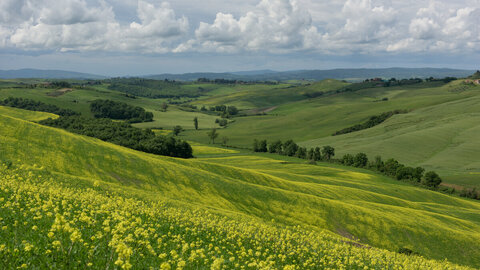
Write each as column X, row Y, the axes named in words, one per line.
column 224, row 140
column 418, row 173
column 177, row 130
column 195, row 123
column 164, row 107
column 348, row 160
column 290, row 148
column 212, row 134
column 390, row 167
column 360, row 160
column 316, row 154
column 310, row 154
column 328, row 152
column 301, row 152
column 232, row 110
column 275, row 147
column 256, row 146
column 432, row 179
column 378, row 164
column 262, row 146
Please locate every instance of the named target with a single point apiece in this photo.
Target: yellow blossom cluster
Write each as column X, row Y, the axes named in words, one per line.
column 50, row 224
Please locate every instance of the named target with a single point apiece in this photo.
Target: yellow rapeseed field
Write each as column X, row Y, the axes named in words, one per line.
column 48, row 223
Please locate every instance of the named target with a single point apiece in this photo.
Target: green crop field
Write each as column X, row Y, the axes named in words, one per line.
column 109, row 205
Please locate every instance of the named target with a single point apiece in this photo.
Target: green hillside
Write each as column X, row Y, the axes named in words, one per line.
column 245, row 188
column 438, row 133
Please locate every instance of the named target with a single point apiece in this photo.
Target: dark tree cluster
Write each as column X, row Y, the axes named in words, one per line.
column 371, row 122
column 60, row 84
column 120, row 111
column 290, row 148
column 123, row 134
column 227, row 81
column 471, row 193
column 151, row 88
column 444, row 80
column 390, row 167
column 227, row 110
column 32, row 105
column 394, row 169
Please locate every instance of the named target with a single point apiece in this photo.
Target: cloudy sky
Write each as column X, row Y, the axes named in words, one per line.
column 133, row 37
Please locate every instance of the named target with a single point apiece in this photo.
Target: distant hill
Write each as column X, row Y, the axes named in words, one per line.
column 346, row 74
column 46, row 74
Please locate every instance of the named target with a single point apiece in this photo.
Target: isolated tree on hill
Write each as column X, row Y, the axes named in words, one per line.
column 195, row 123
column 177, row 130
column 432, row 179
column 164, row 107
column 212, row 134
column 224, row 140
column 328, row 152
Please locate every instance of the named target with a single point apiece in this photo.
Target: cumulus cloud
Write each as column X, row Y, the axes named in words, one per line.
column 77, row 25
column 276, row 26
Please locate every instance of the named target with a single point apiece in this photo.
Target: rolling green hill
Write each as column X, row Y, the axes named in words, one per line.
column 438, row 133
column 362, row 207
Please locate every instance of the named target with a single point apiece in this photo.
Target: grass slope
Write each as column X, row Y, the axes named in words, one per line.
column 79, row 100
column 354, row 203
column 261, row 96
column 439, row 133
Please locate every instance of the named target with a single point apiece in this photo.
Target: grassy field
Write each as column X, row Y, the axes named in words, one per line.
column 79, row 100
column 264, row 96
column 439, row 132
column 324, row 200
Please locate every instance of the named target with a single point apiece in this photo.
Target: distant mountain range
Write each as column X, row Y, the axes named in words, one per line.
column 346, row 74
column 46, row 74
column 260, row 75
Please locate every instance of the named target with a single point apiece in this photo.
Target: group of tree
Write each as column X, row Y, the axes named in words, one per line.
column 233, row 81
column 228, row 110
column 390, row 167
column 444, row 80
column 60, row 84
column 32, row 105
column 290, row 148
column 471, row 193
column 151, row 88
column 120, row 111
column 393, row 168
column 123, row 134
column 371, row 122
column 221, row 122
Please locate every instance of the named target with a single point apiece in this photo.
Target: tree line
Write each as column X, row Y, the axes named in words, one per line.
column 371, row 122
column 120, row 111
column 123, row 134
column 32, row 105
column 390, row 167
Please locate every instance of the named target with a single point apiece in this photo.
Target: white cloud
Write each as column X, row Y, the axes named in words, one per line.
column 277, row 26
column 76, row 25
column 273, row 25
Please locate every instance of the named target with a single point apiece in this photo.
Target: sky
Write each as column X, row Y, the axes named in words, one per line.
column 140, row 37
